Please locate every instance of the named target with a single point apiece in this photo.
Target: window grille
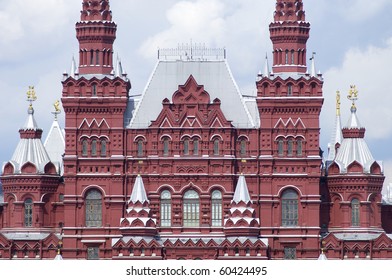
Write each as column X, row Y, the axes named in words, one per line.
column 84, row 148
column 93, row 209
column 165, row 209
column 196, row 146
column 28, row 210
column 355, row 212
column 191, row 209
column 216, row 147
column 290, row 208
column 216, row 209
column 94, row 148
column 92, row 253
column 103, row 148
column 290, row 253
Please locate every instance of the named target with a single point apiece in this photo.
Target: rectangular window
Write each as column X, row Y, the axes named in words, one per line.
column 216, row 219
column 289, row 212
column 92, row 253
column 165, row 213
column 196, row 147
column 299, row 148
column 191, row 213
column 290, row 253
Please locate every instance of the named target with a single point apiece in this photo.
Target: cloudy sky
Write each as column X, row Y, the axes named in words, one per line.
column 352, row 39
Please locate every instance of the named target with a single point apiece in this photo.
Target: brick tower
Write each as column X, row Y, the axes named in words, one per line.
column 289, row 99
column 95, row 98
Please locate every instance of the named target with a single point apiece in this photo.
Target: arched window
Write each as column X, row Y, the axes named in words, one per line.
column 97, row 58
column 289, row 208
column 286, row 61
column 292, row 56
column 140, row 148
column 216, row 147
column 166, row 146
column 84, row 148
column 299, row 147
column 191, row 209
column 290, row 147
column 216, row 208
column 93, row 205
column 165, row 209
column 94, row 147
column 94, row 90
column 196, row 146
column 103, row 148
column 91, row 57
column 280, row 147
column 186, row 146
column 355, row 212
column 290, row 90
column 243, row 147
column 28, row 212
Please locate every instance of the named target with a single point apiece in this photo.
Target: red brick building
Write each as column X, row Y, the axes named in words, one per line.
column 192, row 169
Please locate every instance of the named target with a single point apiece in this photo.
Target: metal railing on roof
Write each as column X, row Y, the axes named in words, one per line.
column 192, row 52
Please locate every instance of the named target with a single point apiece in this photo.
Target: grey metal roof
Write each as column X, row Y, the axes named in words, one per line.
column 26, row 235
column 216, row 77
column 387, row 195
column 30, row 150
column 241, row 193
column 354, row 149
column 336, row 138
column 357, row 236
column 138, row 191
column 55, row 146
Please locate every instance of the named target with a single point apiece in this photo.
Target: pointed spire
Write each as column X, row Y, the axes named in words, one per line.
column 138, row 192
column 337, row 136
column 119, row 69
column 30, row 148
column 74, row 69
column 241, row 193
column 30, row 122
column 266, row 67
column 55, row 141
column 313, row 69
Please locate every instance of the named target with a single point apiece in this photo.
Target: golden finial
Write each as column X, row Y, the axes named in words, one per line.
column 353, row 95
column 31, row 96
column 57, row 110
column 338, row 103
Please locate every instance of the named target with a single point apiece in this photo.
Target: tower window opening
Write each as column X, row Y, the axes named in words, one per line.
column 216, row 147
column 286, row 57
column 196, row 146
column 280, row 147
column 289, row 208
column 355, row 212
column 290, row 90
column 28, row 212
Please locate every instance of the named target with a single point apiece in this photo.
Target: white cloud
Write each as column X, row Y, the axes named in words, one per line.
column 369, row 69
column 359, row 10
column 201, row 21
column 30, row 25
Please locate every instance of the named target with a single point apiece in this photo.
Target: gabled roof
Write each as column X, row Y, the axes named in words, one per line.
column 214, row 75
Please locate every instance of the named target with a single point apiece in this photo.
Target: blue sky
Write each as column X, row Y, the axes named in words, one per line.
column 352, row 39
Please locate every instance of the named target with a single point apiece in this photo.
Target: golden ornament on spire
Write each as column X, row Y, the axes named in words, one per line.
column 338, row 103
column 353, row 95
column 31, row 96
column 57, row 110
column 57, row 106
